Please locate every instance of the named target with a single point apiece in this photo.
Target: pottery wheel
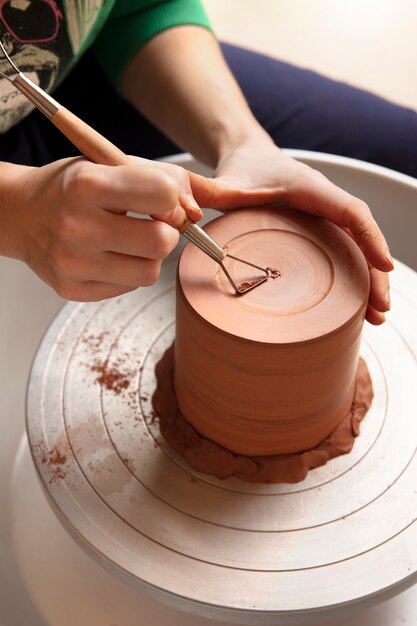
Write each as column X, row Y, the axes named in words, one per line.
column 250, row 554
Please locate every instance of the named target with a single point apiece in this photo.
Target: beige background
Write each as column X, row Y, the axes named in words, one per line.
column 369, row 43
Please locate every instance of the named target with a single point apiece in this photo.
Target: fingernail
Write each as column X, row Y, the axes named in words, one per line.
column 387, row 299
column 193, row 206
column 390, row 259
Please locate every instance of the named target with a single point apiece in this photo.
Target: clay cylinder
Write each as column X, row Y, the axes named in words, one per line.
column 271, row 371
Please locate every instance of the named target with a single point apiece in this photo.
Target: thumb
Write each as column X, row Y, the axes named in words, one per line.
column 225, row 192
column 205, row 190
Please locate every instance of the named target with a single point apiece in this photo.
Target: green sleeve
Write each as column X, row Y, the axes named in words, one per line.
column 134, row 22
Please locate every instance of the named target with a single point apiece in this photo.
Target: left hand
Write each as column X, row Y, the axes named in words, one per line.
column 259, row 173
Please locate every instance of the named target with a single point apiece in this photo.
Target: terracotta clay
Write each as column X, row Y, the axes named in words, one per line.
column 271, row 371
column 206, row 456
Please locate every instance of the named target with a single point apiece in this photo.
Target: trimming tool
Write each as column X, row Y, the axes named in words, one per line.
column 100, row 150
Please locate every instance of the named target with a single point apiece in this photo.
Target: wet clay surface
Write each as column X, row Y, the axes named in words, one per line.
column 207, row 456
column 313, row 260
column 278, row 364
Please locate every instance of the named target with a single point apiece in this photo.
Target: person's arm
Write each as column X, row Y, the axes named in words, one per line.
column 180, row 81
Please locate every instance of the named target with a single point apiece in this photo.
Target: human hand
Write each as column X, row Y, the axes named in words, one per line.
column 68, row 221
column 258, row 173
column 183, row 178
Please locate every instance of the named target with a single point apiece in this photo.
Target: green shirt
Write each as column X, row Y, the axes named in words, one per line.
column 46, row 38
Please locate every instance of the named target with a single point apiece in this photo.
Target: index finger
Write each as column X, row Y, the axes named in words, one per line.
column 317, row 195
column 123, row 188
column 358, row 218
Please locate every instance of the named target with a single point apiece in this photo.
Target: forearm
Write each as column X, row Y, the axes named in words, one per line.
column 181, row 83
column 12, row 187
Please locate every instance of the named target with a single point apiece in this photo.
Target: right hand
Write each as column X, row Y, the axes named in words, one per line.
column 67, row 221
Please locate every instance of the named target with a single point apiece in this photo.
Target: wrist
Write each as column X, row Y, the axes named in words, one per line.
column 243, row 136
column 12, row 189
column 253, row 141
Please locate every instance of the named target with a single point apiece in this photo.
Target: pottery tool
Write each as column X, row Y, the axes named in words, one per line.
column 99, row 150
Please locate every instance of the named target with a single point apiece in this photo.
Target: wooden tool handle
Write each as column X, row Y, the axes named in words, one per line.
column 90, row 143
column 99, row 150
